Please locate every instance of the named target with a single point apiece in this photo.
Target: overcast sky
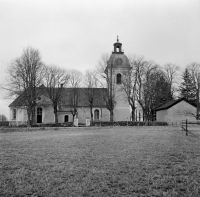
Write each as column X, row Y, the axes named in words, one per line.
column 74, row 33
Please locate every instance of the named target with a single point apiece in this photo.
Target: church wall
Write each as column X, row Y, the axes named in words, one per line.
column 121, row 114
column 121, row 99
column 64, row 112
column 21, row 114
column 10, row 113
column 105, row 116
column 61, row 117
column 48, row 115
column 83, row 113
column 25, row 116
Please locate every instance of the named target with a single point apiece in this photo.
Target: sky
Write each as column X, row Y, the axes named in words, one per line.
column 73, row 34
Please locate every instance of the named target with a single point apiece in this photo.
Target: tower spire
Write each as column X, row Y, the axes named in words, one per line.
column 117, row 39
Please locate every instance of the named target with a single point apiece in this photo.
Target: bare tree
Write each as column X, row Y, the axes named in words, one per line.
column 101, row 68
column 171, row 71
column 105, row 68
column 129, row 84
column 91, row 91
column 74, row 82
column 144, row 70
column 194, row 69
column 24, row 76
column 75, row 78
column 3, row 118
column 55, row 79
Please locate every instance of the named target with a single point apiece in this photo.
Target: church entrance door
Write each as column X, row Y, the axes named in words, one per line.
column 66, row 118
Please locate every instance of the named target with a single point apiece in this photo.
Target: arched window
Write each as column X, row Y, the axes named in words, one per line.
column 119, row 78
column 96, row 114
column 39, row 111
column 66, row 118
column 39, row 115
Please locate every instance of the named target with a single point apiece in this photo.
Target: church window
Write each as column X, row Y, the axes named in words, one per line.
column 14, row 114
column 96, row 114
column 119, row 78
column 39, row 115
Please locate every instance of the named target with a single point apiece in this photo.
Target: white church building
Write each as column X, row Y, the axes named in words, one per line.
column 117, row 65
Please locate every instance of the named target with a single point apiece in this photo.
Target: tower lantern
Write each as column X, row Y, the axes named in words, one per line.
column 118, row 47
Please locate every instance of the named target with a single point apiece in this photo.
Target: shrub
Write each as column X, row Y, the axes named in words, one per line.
column 4, row 123
column 66, row 124
column 127, row 123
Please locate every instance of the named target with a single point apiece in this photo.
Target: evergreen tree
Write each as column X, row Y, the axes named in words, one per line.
column 163, row 91
column 187, row 88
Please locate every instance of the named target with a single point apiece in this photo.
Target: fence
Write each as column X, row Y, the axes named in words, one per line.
column 185, row 126
column 174, row 124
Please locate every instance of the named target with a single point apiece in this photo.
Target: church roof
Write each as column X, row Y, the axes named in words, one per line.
column 119, row 60
column 83, row 96
column 19, row 101
column 66, row 97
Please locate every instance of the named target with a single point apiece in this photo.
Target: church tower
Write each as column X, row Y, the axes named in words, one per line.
column 118, row 68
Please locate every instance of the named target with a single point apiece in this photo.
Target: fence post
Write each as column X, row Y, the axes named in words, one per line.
column 182, row 125
column 186, row 127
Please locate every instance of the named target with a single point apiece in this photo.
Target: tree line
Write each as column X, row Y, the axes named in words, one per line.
column 147, row 83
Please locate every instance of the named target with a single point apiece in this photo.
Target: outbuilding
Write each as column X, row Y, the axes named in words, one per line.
column 175, row 111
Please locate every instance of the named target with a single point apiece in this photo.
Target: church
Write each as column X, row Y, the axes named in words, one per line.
column 118, row 67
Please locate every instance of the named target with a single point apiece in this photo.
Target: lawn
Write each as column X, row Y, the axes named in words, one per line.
column 116, row 161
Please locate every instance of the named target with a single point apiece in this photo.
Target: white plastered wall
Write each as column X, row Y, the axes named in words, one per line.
column 177, row 113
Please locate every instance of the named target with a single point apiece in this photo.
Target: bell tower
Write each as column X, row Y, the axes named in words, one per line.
column 118, row 68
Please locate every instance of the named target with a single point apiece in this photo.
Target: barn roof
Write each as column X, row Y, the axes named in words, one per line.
column 172, row 103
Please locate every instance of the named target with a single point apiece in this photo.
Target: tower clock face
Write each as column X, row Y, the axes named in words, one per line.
column 118, row 62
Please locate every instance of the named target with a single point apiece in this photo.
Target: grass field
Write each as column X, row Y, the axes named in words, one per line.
column 118, row 161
